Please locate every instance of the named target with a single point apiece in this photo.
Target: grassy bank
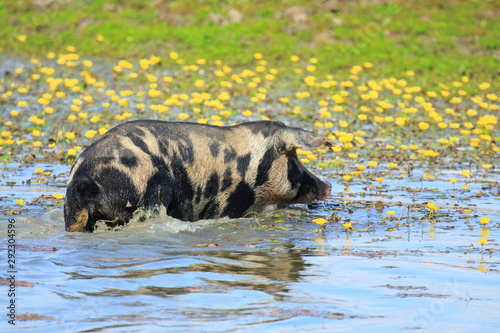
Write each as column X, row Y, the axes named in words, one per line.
column 440, row 41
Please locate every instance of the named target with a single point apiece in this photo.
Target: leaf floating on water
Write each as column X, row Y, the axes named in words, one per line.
column 34, row 316
column 208, row 245
column 43, row 248
column 404, row 287
column 7, row 282
column 379, row 205
column 14, row 211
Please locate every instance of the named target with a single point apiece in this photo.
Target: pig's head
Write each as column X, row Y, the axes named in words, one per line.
column 288, row 180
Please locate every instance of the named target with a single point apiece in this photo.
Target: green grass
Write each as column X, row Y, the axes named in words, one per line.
column 440, row 41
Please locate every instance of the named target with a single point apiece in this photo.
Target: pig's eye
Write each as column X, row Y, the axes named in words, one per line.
column 294, row 173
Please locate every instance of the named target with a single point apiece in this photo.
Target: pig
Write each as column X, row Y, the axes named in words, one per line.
column 194, row 171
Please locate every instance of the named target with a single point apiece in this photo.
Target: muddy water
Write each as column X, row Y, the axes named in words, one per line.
column 272, row 273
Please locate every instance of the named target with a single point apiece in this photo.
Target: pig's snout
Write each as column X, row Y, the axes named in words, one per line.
column 326, row 191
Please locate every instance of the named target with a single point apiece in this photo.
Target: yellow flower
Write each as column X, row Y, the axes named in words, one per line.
column 347, row 178
column 373, row 164
column 224, row 96
column 71, row 152
column 453, row 180
column 90, row 134
column 385, row 105
column 482, row 241
column 320, row 221
column 423, row 125
column 361, row 167
column 154, row 93
column 474, row 142
column 484, row 86
column 492, row 97
column 260, row 69
column 380, row 179
column 225, row 113
column 126, row 93
column 144, row 63
column 428, row 153
column 337, row 149
column 391, row 213
column 445, row 93
column 58, row 196
column 484, row 220
column 486, row 166
column 467, row 211
column 466, row 173
column 20, row 202
column 173, row 55
column 247, row 113
column 22, row 38
column 392, row 165
column 347, row 225
column 432, row 206
column 359, row 140
column 199, row 83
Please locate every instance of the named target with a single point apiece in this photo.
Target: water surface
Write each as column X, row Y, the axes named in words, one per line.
column 271, row 273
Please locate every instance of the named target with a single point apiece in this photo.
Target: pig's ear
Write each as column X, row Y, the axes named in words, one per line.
column 288, row 139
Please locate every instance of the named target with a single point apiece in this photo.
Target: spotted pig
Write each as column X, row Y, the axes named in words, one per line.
column 195, row 171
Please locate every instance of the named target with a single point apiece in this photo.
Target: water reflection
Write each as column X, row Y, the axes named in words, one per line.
column 208, row 271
